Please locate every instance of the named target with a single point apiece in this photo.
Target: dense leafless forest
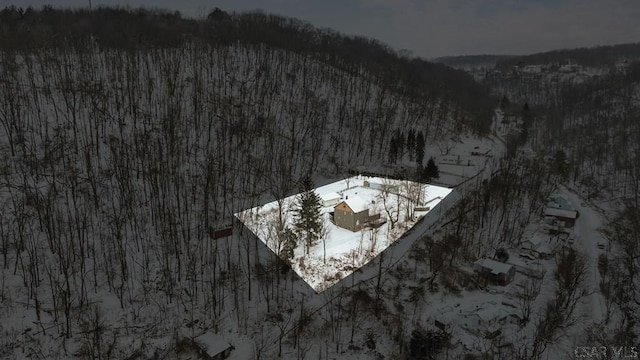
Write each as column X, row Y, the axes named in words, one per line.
column 127, row 134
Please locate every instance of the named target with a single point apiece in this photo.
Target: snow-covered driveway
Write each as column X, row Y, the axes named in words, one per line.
column 587, row 234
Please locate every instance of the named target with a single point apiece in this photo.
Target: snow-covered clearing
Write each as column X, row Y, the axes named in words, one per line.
column 344, row 251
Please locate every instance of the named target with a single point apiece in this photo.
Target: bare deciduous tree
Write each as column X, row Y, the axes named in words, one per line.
column 528, row 291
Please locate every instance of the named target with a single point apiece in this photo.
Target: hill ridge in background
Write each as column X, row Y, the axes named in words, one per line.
column 135, row 29
column 471, row 61
column 595, row 56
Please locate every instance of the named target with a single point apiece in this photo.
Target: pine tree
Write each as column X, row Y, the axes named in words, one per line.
column 411, row 143
column 393, row 150
column 419, row 148
column 418, row 344
column 307, row 216
column 400, row 143
column 289, row 243
column 504, row 103
column 427, row 343
column 431, row 171
column 561, row 165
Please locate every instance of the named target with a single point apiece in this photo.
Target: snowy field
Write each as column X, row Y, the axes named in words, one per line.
column 343, row 251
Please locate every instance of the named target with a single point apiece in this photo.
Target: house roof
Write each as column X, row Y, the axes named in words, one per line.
column 488, row 314
column 377, row 180
column 212, row 343
column 544, row 249
column 558, row 201
column 534, row 241
column 496, row 267
column 571, row 214
column 330, row 196
column 356, row 204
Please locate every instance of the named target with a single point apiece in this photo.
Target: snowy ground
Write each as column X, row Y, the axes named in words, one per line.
column 344, row 251
column 588, row 234
column 464, row 157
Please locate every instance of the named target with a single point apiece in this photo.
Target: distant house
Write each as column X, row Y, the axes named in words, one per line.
column 535, row 247
column 559, row 214
column 495, row 271
column 511, row 318
column 529, row 248
column 483, row 319
column 380, row 184
column 446, row 318
column 567, row 218
column 443, row 325
column 450, row 160
column 531, row 244
column 217, row 233
column 351, row 214
column 544, row 251
column 220, row 229
column 210, row 346
column 532, row 69
column 214, row 346
column 623, row 66
column 330, row 199
column 487, row 319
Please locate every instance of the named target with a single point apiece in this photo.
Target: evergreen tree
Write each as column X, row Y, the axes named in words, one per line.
column 419, row 148
column 561, row 165
column 307, row 216
column 400, row 142
column 411, row 143
column 502, row 255
column 431, row 171
column 524, row 133
column 393, row 150
column 418, row 344
column 427, row 344
column 289, row 243
column 504, row 103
